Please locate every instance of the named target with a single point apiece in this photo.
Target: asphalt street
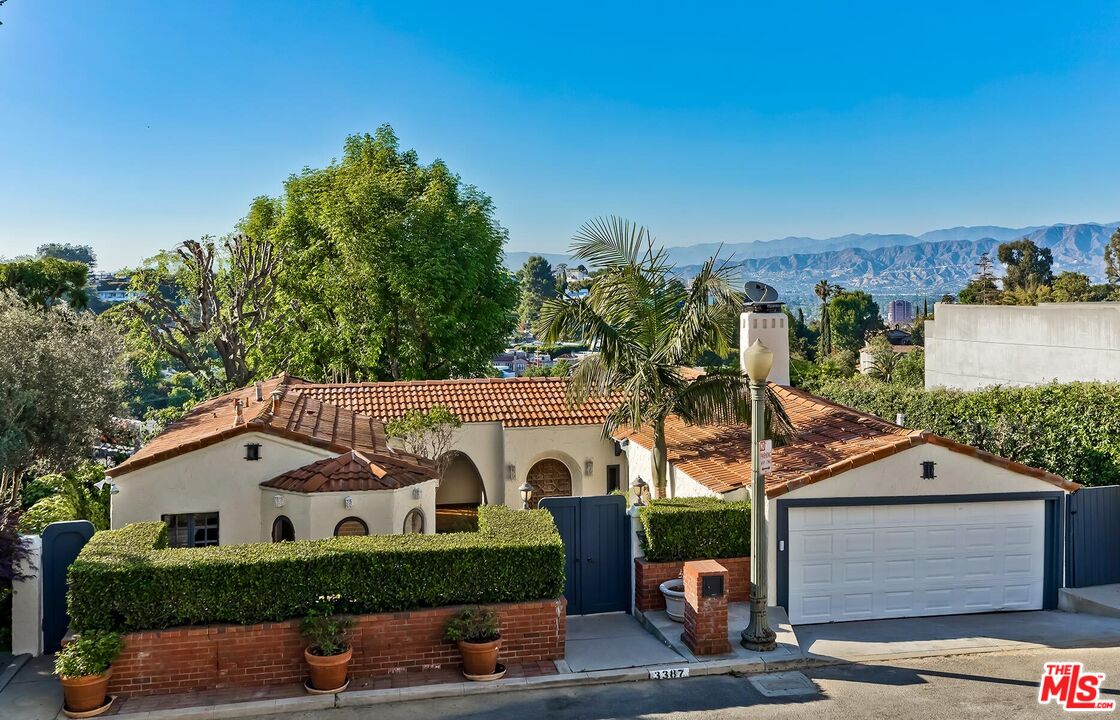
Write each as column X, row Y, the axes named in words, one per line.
column 998, row 685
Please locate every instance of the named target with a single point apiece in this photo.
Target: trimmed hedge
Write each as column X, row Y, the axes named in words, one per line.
column 696, row 529
column 129, row 580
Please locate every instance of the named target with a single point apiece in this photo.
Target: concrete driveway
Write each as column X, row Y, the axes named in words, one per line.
column 953, row 634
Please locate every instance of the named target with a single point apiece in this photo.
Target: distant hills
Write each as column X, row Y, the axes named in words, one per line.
column 928, row 264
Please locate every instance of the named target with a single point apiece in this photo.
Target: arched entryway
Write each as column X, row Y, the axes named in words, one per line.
column 460, row 493
column 550, row 478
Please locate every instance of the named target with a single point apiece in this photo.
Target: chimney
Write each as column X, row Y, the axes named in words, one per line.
column 766, row 321
column 276, row 395
column 240, row 419
column 259, row 387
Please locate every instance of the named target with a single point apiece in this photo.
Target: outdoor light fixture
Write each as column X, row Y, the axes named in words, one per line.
column 639, row 486
column 588, row 466
column 526, row 491
column 348, row 502
column 758, row 360
column 278, row 500
column 417, row 493
column 758, row 636
column 511, row 472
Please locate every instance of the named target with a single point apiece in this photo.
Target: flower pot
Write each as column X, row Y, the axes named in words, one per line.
column 328, row 672
column 85, row 693
column 479, row 658
column 673, row 590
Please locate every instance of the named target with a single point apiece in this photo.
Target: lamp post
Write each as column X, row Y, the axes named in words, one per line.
column 758, row 636
column 639, row 486
column 526, row 491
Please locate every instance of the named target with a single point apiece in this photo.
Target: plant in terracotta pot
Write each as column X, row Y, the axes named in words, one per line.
column 83, row 668
column 328, row 650
column 477, row 631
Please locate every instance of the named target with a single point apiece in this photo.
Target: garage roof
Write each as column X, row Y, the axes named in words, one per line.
column 829, row 439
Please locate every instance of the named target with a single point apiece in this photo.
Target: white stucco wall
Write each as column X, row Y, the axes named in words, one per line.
column 572, row 445
column 213, row 478
column 974, row 346
column 315, row 515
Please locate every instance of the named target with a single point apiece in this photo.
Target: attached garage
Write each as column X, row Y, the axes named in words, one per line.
column 910, row 559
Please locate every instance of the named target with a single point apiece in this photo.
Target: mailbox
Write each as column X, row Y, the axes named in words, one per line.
column 711, row 586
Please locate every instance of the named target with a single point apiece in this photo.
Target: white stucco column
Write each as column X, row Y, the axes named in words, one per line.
column 27, row 601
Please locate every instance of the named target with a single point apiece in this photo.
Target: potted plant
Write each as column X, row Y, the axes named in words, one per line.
column 477, row 631
column 328, row 650
column 673, row 591
column 83, row 668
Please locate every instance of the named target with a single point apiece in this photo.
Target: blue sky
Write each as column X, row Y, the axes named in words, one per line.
column 134, row 125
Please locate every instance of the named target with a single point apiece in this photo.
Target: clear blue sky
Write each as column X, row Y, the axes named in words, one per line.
column 134, row 125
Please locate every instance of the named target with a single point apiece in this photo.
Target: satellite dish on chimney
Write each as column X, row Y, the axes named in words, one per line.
column 759, row 293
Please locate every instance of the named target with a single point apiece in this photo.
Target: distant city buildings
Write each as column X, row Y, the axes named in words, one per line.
column 900, row 312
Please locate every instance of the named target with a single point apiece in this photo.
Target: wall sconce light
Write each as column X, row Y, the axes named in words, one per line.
column 927, row 470
column 511, row 472
column 348, row 502
column 417, row 493
column 640, row 486
column 588, row 467
column 278, row 500
column 526, row 491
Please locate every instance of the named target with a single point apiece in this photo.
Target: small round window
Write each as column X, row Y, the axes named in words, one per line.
column 351, row 526
column 414, row 522
column 283, row 530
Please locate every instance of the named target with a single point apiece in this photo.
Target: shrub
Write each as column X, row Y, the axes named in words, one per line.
column 1070, row 429
column 56, row 508
column 126, row 579
column 89, row 653
column 473, row 625
column 696, row 529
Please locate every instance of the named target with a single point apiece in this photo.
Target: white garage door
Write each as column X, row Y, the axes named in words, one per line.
column 882, row 561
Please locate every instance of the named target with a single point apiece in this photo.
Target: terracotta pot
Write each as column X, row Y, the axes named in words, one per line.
column 328, row 672
column 480, row 658
column 85, row 693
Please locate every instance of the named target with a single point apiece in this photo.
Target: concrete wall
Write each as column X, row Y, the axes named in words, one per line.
column 974, row 346
column 214, row 478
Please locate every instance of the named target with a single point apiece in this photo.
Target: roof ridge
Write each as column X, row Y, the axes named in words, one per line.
column 446, row 381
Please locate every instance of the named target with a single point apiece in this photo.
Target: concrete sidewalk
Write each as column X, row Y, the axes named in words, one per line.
column 612, row 641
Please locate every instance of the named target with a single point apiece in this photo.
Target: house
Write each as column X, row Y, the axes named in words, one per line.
column 901, row 341
column 973, row 346
column 868, row 519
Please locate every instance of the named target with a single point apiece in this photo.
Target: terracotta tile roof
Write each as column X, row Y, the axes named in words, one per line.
column 352, row 472
column 830, row 439
column 514, row 402
column 298, row 417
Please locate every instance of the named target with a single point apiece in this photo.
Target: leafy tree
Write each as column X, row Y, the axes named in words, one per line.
column 46, row 281
column 948, row 299
column 824, row 290
column 1072, row 287
column 537, row 284
column 852, row 315
column 427, row 434
column 1027, row 266
column 910, row 370
column 61, row 375
column 1112, row 258
column 646, row 325
column 884, row 360
column 561, row 368
column 390, row 269
column 69, row 252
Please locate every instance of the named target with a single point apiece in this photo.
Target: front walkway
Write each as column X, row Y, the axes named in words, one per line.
column 612, row 641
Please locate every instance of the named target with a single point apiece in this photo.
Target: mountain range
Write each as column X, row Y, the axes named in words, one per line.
column 928, row 264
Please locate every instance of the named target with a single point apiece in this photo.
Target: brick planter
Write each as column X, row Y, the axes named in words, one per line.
column 649, row 575
column 218, row 656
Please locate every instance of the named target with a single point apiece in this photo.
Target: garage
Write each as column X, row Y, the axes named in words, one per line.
column 889, row 559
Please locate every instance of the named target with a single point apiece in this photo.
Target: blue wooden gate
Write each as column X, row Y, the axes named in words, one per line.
column 62, row 541
column 1094, row 536
column 596, row 552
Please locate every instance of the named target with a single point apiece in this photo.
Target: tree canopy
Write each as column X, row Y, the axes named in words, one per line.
column 46, row 281
column 1027, row 266
column 537, row 285
column 68, row 251
column 852, row 314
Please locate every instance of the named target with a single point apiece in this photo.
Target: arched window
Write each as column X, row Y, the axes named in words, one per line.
column 414, row 522
column 351, row 526
column 283, row 530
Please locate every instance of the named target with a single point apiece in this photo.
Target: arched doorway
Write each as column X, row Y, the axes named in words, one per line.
column 550, row 478
column 460, row 493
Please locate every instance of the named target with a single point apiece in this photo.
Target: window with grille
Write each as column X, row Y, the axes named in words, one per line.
column 192, row 529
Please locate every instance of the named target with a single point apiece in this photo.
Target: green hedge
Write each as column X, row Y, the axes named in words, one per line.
column 129, row 580
column 696, row 529
column 1072, row 429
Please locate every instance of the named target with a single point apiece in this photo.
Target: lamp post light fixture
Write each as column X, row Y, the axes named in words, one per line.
column 639, row 486
column 526, row 491
column 758, row 636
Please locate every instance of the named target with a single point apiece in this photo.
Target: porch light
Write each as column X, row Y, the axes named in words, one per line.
column 348, row 502
column 758, row 360
column 640, row 486
column 588, row 467
column 526, row 491
column 278, row 500
column 417, row 493
column 511, row 472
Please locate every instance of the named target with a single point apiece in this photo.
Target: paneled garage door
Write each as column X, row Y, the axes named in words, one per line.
column 882, row 561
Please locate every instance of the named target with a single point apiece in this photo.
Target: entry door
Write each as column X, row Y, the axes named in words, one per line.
column 882, row 561
column 596, row 552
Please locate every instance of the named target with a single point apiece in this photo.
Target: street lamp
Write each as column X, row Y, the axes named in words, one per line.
column 639, row 486
column 758, row 636
column 526, row 491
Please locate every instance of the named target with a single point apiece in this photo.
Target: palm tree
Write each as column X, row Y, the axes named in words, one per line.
column 645, row 325
column 824, row 291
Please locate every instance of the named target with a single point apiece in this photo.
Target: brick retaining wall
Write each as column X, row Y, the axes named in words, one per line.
column 217, row 656
column 648, row 576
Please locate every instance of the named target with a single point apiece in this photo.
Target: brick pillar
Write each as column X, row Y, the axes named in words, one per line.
column 705, row 617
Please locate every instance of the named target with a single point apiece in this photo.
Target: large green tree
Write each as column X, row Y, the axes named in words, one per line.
column 1027, row 266
column 389, row 269
column 46, row 281
column 68, row 251
column 538, row 283
column 644, row 325
column 61, row 375
column 825, row 290
column 1112, row 259
column 852, row 314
